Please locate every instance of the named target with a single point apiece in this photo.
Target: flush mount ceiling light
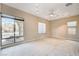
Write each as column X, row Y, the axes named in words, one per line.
column 52, row 13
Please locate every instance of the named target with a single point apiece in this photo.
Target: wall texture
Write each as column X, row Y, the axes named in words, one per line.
column 55, row 28
column 0, row 7
column 0, row 26
column 30, row 23
column 60, row 30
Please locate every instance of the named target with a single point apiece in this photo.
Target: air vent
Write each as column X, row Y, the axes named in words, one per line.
column 68, row 4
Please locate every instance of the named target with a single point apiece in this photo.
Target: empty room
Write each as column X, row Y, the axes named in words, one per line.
column 39, row 29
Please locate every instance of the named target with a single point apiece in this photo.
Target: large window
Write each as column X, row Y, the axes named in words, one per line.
column 41, row 27
column 72, row 27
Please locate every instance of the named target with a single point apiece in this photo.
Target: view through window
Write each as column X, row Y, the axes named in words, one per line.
column 12, row 30
column 41, row 27
column 72, row 27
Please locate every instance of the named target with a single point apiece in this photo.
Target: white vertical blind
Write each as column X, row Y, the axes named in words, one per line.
column 41, row 27
column 72, row 27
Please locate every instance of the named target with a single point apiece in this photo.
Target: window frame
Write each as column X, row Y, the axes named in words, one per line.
column 41, row 27
column 72, row 27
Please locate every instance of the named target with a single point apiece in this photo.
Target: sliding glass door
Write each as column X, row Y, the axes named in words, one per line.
column 7, row 31
column 12, row 30
column 19, row 30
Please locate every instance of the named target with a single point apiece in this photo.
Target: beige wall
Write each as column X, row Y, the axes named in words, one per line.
column 0, row 26
column 30, row 23
column 0, row 7
column 55, row 28
column 59, row 28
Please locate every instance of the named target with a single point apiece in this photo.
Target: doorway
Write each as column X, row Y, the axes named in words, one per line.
column 12, row 30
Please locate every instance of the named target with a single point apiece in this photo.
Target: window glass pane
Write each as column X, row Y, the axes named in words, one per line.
column 72, row 31
column 41, row 27
column 7, row 31
column 72, row 23
column 19, row 31
column 72, row 27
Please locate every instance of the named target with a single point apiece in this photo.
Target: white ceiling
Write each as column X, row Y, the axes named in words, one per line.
column 44, row 9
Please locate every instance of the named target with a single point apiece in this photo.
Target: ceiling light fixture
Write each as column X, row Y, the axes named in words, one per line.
column 51, row 15
column 51, row 12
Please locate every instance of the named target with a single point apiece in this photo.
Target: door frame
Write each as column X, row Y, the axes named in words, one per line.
column 14, row 18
